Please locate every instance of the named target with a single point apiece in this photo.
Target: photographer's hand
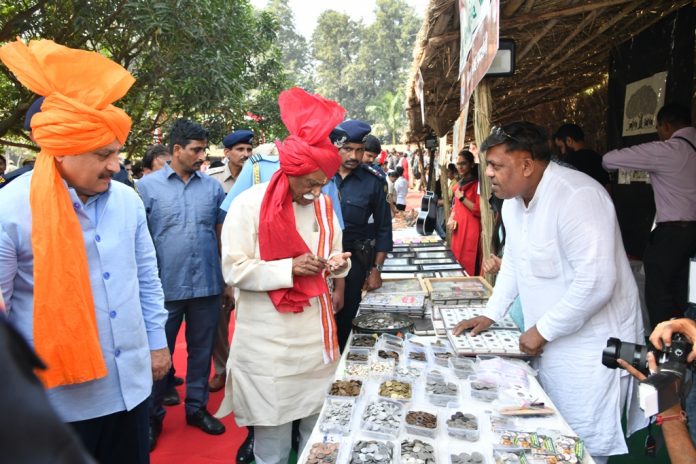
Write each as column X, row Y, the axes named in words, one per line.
column 679, row 445
column 662, row 335
column 652, row 367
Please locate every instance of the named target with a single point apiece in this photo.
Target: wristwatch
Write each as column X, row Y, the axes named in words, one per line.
column 378, row 267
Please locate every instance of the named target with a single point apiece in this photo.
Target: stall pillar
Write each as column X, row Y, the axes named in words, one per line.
column 483, row 109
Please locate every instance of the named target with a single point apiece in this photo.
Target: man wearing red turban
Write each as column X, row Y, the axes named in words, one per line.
column 279, row 246
column 77, row 265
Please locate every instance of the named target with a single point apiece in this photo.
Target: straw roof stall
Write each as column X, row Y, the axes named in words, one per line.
column 562, row 50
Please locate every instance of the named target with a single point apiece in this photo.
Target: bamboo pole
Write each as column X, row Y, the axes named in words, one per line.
column 483, row 109
column 444, row 193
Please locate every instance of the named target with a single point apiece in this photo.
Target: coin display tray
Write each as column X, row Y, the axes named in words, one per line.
column 456, row 290
column 402, row 287
column 453, row 315
column 501, row 341
column 329, row 423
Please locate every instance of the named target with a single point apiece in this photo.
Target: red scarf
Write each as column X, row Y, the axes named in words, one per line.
column 309, row 119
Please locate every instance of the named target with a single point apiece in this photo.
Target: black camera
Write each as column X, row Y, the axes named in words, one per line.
column 663, row 389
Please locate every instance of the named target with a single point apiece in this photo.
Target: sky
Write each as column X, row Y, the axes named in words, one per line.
column 307, row 11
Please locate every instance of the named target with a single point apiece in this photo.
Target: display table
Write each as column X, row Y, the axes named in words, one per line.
column 444, row 444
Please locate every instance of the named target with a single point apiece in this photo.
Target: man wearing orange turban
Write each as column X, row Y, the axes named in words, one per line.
column 279, row 244
column 77, row 265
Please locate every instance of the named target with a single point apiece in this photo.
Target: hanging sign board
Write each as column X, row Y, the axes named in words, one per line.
column 479, row 22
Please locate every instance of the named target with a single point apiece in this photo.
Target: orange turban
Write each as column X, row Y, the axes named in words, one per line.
column 76, row 117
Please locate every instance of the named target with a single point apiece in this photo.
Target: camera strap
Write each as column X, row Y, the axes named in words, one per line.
column 650, row 448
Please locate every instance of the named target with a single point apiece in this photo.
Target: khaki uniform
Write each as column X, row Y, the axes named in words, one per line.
column 223, row 175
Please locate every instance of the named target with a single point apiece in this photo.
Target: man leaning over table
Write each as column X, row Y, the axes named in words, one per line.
column 565, row 259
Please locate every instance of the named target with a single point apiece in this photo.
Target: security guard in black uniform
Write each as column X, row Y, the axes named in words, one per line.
column 363, row 193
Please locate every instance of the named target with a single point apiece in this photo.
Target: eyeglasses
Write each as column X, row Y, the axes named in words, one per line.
column 498, row 131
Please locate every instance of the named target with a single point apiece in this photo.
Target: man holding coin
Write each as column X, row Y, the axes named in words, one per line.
column 284, row 242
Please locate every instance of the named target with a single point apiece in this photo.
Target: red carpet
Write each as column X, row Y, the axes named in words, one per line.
column 181, row 443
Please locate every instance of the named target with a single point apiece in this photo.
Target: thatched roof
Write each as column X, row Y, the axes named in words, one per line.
column 562, row 50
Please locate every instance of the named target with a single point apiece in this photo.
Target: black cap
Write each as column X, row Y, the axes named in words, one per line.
column 33, row 109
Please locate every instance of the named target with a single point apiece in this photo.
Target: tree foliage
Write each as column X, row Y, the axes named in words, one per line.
column 388, row 112
column 366, row 66
column 296, row 56
column 186, row 56
column 335, row 46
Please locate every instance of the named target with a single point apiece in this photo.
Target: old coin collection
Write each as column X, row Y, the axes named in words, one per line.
column 410, row 304
column 421, row 257
column 323, row 453
column 423, row 411
column 502, row 338
column 419, row 399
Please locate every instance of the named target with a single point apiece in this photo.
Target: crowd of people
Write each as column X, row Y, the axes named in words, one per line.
column 287, row 236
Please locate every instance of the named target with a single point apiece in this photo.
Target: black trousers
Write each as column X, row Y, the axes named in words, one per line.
column 202, row 316
column 351, row 300
column 117, row 438
column 666, row 263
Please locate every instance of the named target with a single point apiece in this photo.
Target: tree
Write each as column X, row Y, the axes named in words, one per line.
column 388, row 112
column 187, row 60
column 296, row 56
column 389, row 51
column 357, row 65
column 335, row 45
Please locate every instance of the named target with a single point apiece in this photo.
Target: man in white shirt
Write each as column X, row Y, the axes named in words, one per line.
column 565, row 259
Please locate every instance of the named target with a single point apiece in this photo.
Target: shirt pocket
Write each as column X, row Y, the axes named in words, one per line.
column 544, row 260
column 166, row 214
column 206, row 213
column 356, row 211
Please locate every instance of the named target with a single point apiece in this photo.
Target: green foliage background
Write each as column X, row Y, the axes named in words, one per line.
column 215, row 60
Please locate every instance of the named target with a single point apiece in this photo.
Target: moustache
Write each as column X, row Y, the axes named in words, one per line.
column 310, row 196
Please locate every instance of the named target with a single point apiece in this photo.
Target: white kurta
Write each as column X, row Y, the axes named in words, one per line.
column 565, row 258
column 276, row 371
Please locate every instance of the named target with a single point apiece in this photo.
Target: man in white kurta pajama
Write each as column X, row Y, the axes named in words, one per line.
column 284, row 353
column 565, row 259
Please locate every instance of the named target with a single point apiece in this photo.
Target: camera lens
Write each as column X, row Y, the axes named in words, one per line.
column 634, row 354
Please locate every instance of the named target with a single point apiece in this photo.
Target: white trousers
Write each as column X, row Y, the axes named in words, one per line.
column 272, row 444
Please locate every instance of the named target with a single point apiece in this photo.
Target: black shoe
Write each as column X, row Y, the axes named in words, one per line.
column 154, row 432
column 178, row 381
column 204, row 421
column 245, row 453
column 171, row 398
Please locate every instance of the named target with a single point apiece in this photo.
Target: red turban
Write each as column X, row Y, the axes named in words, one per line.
column 309, row 119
